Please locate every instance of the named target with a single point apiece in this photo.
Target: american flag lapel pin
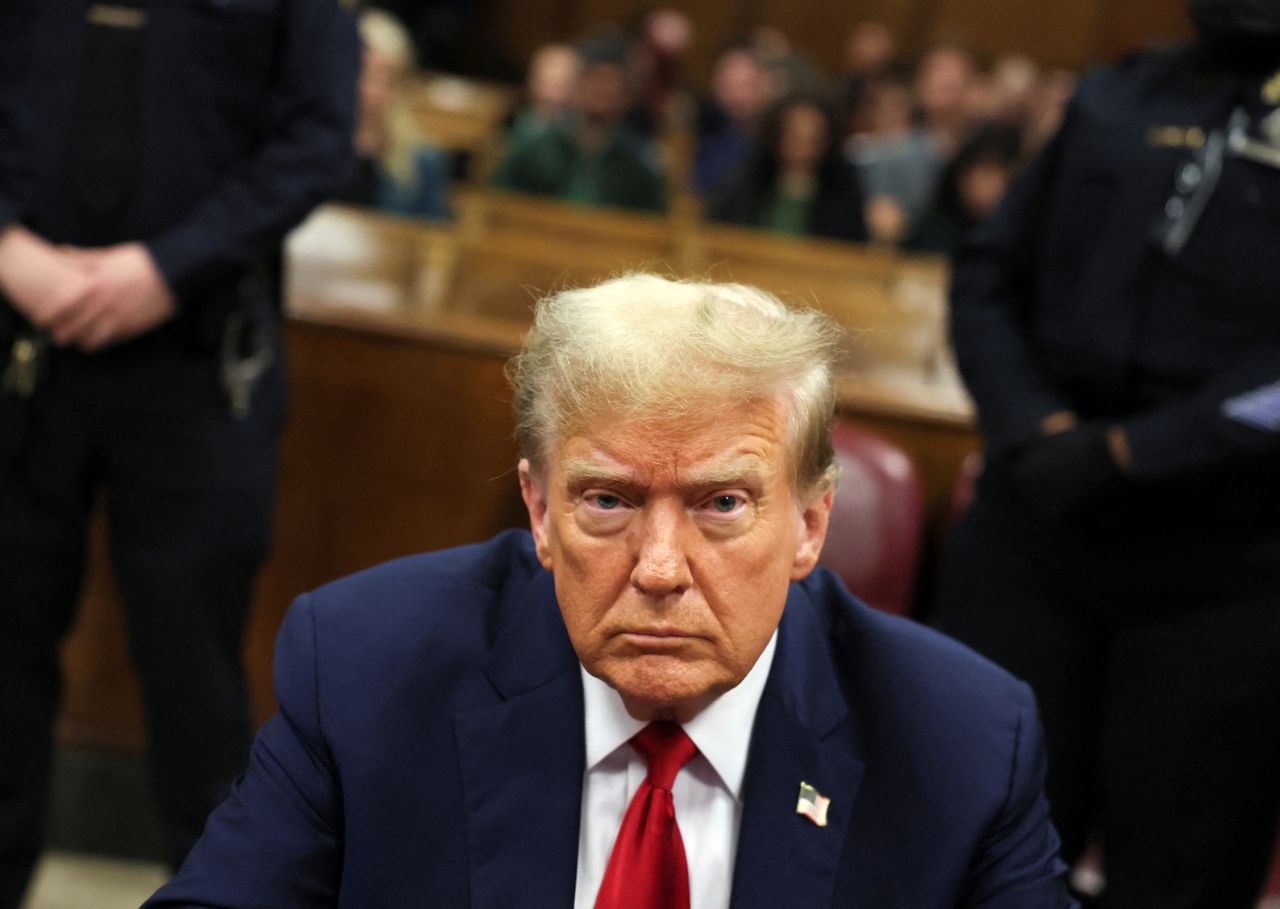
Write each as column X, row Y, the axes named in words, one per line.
column 813, row 804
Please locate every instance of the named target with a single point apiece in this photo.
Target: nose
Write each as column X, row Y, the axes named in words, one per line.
column 662, row 560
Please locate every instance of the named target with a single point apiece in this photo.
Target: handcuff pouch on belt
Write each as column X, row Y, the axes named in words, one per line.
column 247, row 341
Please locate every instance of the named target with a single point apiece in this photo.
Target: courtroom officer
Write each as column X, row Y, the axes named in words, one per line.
column 152, row 155
column 1118, row 326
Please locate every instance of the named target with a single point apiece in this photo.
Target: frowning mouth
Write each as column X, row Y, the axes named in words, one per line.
column 657, row 637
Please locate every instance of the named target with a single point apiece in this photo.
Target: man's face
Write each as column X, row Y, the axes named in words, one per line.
column 672, row 545
column 602, row 94
column 740, row 86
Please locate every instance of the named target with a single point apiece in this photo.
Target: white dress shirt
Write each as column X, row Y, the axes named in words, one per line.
column 707, row 791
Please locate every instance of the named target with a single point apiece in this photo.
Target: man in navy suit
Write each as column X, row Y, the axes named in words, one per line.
column 494, row 726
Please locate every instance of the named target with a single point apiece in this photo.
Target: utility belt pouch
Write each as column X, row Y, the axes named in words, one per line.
column 203, row 313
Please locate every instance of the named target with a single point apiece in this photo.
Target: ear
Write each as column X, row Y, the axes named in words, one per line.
column 533, row 491
column 812, row 532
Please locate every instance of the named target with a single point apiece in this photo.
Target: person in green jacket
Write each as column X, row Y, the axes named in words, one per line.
column 592, row 159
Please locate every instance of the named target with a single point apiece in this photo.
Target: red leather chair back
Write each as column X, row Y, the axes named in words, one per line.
column 874, row 538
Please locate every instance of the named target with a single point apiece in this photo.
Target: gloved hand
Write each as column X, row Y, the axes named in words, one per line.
column 1060, row 475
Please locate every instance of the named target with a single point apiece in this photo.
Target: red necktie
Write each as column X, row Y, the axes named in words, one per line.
column 647, row 868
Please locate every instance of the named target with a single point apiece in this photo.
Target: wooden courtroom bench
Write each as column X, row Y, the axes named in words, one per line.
column 893, row 306
column 513, row 248
column 635, row 235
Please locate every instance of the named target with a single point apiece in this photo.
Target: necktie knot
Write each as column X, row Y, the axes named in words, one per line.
column 665, row 749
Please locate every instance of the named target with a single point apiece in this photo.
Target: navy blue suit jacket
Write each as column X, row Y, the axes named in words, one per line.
column 429, row 752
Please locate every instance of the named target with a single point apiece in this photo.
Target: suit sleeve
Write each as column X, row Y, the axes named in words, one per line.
column 276, row 840
column 991, row 297
column 1017, row 865
column 306, row 152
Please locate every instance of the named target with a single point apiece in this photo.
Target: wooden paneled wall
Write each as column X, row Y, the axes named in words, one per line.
column 1072, row 33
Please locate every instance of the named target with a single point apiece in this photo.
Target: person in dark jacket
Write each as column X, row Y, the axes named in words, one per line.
column 797, row 181
column 152, row 156
column 1116, row 323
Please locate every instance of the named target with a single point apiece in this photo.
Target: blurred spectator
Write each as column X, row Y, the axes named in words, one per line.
column 553, row 73
column 398, row 169
column 869, row 52
column 1014, row 80
column 657, row 67
column 897, row 161
column 970, row 188
column 730, row 119
column 790, row 72
column 797, row 181
column 944, row 82
column 592, row 159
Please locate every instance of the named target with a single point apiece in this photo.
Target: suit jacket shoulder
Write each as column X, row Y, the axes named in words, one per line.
column 429, row 751
column 414, row 700
column 939, row 759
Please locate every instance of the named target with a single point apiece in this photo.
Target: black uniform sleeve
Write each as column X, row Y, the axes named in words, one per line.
column 1235, row 416
column 306, row 153
column 9, row 207
column 991, row 296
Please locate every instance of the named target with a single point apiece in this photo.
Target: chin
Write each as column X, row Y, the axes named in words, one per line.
column 663, row 687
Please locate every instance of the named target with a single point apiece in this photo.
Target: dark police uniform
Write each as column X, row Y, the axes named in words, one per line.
column 204, row 129
column 1132, row 277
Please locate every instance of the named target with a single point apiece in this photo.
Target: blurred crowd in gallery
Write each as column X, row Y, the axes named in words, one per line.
column 910, row 151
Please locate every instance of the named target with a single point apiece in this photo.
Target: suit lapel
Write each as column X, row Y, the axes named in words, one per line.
column 802, row 733
column 522, row 761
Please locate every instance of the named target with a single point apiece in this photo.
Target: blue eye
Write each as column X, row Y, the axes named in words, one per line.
column 725, row 504
column 607, row 502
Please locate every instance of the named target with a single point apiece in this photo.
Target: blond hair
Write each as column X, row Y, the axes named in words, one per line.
column 641, row 347
column 386, row 35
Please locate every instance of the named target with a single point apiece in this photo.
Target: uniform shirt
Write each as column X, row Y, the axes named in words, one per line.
column 707, row 791
column 246, row 116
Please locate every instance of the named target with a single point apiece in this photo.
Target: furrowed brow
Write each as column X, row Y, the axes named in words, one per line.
column 579, row 473
column 750, row 471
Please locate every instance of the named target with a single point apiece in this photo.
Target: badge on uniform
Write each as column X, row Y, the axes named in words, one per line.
column 1175, row 136
column 110, row 15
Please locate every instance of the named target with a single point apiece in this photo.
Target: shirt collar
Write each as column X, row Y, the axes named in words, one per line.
column 722, row 731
